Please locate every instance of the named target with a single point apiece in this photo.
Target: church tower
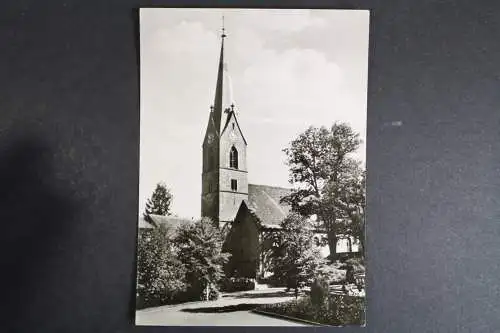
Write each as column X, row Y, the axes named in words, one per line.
column 224, row 175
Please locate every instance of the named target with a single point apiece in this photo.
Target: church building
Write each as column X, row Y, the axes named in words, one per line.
column 244, row 210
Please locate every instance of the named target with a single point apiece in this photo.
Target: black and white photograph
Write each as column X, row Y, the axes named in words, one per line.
column 252, row 198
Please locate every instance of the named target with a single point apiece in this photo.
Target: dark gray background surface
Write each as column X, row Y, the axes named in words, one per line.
column 69, row 134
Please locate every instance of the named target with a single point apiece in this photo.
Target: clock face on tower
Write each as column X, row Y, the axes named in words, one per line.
column 210, row 138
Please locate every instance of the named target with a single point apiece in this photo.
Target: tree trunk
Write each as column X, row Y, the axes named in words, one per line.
column 332, row 240
column 332, row 243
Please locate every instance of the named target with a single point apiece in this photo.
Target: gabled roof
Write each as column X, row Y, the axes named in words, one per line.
column 264, row 202
column 264, row 205
column 233, row 114
column 171, row 222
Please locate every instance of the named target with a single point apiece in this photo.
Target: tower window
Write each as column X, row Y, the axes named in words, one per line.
column 234, row 185
column 233, row 158
column 233, row 126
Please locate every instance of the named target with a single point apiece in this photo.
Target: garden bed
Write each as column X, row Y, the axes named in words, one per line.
column 337, row 310
column 229, row 285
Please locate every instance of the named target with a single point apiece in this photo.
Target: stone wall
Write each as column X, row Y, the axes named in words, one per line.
column 229, row 200
column 229, row 205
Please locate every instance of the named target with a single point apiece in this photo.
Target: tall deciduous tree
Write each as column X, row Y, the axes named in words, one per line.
column 200, row 250
column 296, row 262
column 328, row 177
column 159, row 203
column 345, row 200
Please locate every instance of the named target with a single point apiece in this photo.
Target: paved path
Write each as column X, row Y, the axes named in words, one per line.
column 232, row 309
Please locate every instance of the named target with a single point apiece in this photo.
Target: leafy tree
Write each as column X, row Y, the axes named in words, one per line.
column 350, row 197
column 159, row 203
column 160, row 275
column 345, row 200
column 296, row 262
column 268, row 250
column 327, row 176
column 200, row 250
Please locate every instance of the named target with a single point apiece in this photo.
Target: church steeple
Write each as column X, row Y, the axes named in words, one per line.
column 224, row 175
column 223, row 90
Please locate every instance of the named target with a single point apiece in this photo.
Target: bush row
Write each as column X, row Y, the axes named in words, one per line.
column 237, row 284
column 336, row 310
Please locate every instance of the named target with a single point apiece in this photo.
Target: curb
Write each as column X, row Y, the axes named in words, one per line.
column 280, row 316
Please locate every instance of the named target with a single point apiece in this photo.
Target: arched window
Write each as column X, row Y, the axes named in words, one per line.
column 233, row 158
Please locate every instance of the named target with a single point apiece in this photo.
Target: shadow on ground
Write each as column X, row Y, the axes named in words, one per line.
column 263, row 295
column 222, row 309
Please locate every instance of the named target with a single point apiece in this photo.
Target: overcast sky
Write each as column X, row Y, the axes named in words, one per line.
column 289, row 68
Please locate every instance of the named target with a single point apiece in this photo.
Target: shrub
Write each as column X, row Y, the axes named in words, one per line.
column 160, row 275
column 349, row 275
column 213, row 293
column 202, row 292
column 237, row 284
column 357, row 264
column 295, row 262
column 349, row 310
column 319, row 291
column 273, row 281
column 339, row 310
column 333, row 273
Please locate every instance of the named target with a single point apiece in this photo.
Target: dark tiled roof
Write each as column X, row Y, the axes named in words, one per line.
column 264, row 201
column 171, row 222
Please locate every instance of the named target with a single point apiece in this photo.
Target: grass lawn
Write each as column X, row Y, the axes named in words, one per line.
column 337, row 310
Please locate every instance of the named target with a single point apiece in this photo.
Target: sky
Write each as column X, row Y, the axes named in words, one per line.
column 289, row 69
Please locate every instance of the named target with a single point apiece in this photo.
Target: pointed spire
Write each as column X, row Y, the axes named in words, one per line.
column 223, row 29
column 223, row 91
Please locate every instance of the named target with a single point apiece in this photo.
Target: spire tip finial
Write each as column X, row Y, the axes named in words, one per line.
column 223, row 28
